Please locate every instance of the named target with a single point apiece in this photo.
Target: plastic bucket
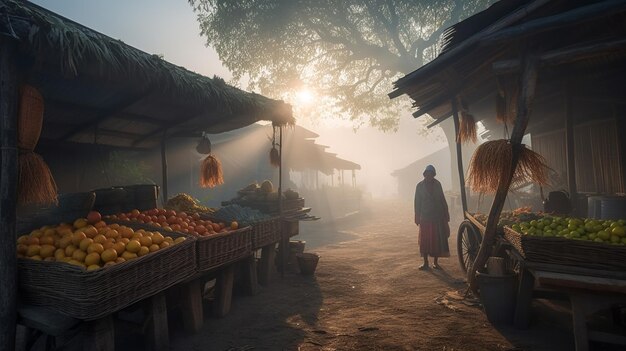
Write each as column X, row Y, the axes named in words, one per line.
column 497, row 295
column 307, row 262
column 613, row 208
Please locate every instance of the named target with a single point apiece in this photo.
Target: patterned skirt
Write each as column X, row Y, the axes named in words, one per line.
column 433, row 239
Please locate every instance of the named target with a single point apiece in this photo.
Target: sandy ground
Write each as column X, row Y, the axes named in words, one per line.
column 368, row 294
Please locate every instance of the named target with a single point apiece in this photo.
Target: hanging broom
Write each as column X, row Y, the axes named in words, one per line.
column 492, row 161
column 35, row 182
column 506, row 101
column 274, row 156
column 211, row 174
column 467, row 128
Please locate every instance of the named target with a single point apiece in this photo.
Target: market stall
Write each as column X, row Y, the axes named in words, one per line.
column 531, row 66
column 80, row 87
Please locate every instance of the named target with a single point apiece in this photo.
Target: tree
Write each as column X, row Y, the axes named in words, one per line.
column 348, row 51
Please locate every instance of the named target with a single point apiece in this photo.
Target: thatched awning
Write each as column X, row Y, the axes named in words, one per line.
column 479, row 49
column 99, row 89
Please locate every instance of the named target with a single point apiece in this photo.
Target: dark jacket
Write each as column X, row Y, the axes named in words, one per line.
column 430, row 205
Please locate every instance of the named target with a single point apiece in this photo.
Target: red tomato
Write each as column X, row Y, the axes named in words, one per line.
column 94, row 217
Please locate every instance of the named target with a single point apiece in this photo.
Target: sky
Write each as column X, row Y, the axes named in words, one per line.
column 170, row 28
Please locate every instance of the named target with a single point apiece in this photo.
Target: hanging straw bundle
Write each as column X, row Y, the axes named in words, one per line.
column 35, row 182
column 274, row 156
column 506, row 100
column 467, row 129
column 491, row 165
column 211, row 174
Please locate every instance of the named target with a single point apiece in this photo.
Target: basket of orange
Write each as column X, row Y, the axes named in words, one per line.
column 90, row 268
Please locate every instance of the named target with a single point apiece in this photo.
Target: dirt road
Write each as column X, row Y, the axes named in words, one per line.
column 368, row 294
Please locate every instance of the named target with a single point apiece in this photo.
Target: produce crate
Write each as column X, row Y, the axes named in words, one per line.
column 266, row 232
column 89, row 295
column 211, row 251
column 568, row 252
column 224, row 248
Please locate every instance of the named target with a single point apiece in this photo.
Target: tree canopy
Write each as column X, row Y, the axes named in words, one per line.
column 347, row 51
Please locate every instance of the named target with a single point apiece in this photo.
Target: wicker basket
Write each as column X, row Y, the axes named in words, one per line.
column 568, row 252
column 89, row 295
column 219, row 250
column 265, row 233
column 211, row 251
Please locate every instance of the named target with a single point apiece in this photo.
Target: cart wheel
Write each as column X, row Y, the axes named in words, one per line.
column 467, row 244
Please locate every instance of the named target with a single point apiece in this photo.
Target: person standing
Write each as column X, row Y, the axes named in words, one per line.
column 432, row 217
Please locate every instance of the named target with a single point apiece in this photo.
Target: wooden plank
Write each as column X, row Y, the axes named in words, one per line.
column 157, row 333
column 570, row 150
column 192, row 309
column 583, row 282
column 8, row 192
column 606, row 337
column 579, row 321
column 224, row 290
column 164, row 196
column 268, row 255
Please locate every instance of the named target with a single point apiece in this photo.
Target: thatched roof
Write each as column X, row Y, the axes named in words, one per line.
column 90, row 80
column 571, row 38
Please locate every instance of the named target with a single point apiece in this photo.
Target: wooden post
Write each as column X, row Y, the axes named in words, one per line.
column 164, row 168
column 570, row 150
column 99, row 335
column 527, row 93
column 268, row 255
column 8, row 192
column 158, row 332
column 459, row 154
column 284, row 242
column 193, row 316
column 224, row 289
column 251, row 280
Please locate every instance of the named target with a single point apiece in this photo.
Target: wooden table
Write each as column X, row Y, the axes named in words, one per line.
column 589, row 291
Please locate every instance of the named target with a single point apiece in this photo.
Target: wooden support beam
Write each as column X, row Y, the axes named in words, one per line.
column 166, row 127
column 9, row 83
column 103, row 115
column 192, row 310
column 134, row 117
column 118, row 134
column 577, row 16
column 439, row 120
column 250, row 277
column 528, row 83
column 459, row 154
column 268, row 255
column 99, row 335
column 157, row 333
column 224, row 289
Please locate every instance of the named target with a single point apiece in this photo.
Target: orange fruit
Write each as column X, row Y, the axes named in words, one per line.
column 154, row 247
column 100, row 239
column 47, row 251
column 134, row 213
column 80, row 223
column 84, row 244
column 133, row 246
column 144, row 250
column 164, row 244
column 169, row 239
column 108, row 244
column 65, row 242
column 120, row 260
column 50, row 232
column 216, row 227
column 110, row 263
column 95, row 247
column 179, row 240
column 23, row 239
column 126, row 232
column 78, row 237
column 108, row 255
column 46, row 240
column 36, row 258
column 124, row 240
column 114, row 226
column 100, row 224
column 93, row 267
column 49, row 259
column 90, row 231
column 145, row 241
column 119, row 247
column 69, row 250
column 79, row 255
column 32, row 241
column 33, row 250
column 157, row 238
column 92, row 258
column 129, row 255
column 36, row 233
column 59, row 254
column 234, row 225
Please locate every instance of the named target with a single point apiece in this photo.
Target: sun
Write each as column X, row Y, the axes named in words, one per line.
column 305, row 96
